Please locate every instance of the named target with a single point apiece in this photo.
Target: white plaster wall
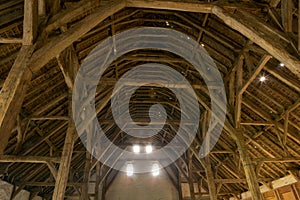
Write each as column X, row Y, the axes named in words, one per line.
column 142, row 186
column 6, row 190
column 22, row 195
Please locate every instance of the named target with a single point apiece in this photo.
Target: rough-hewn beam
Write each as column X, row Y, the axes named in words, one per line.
column 86, row 177
column 247, row 25
column 64, row 167
column 171, row 5
column 63, row 172
column 14, row 88
column 287, row 15
column 190, row 175
column 30, row 21
column 69, row 65
column 277, row 160
column 239, row 180
column 207, row 162
column 63, row 17
column 239, row 95
column 10, row 40
column 12, row 94
column 63, row 118
column 61, row 42
column 240, row 140
column 98, row 176
column 29, row 159
column 257, row 123
column 248, row 167
column 210, row 179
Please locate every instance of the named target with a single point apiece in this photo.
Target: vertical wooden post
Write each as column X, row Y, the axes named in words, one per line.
column 239, row 95
column 248, row 166
column 86, row 176
column 190, row 177
column 63, row 172
column 103, row 187
column 30, row 21
column 98, row 171
column 287, row 15
column 179, row 186
column 210, row 179
column 240, row 140
column 207, row 163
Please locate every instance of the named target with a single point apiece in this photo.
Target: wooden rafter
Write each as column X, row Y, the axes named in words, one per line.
column 285, row 124
column 247, row 25
column 61, row 42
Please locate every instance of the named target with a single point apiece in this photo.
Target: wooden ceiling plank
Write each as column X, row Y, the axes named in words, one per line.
column 247, row 25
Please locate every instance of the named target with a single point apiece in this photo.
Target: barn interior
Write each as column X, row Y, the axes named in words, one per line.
column 49, row 145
